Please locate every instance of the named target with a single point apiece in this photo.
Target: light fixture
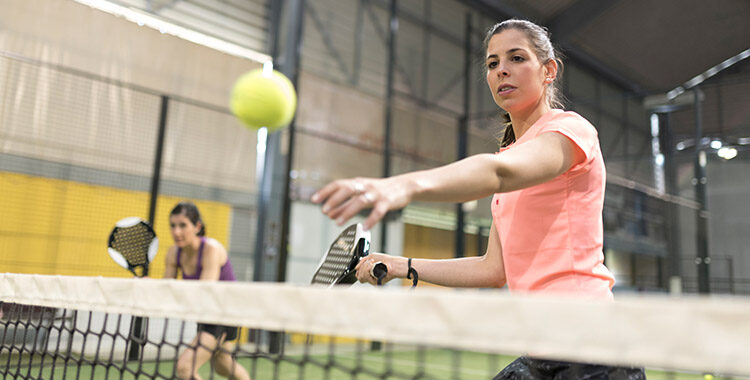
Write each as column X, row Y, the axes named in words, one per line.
column 144, row 19
column 727, row 153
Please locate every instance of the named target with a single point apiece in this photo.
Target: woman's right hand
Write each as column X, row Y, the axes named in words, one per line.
column 396, row 267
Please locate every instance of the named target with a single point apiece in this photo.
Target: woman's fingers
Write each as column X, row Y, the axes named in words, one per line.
column 330, row 190
column 363, row 272
column 343, row 199
column 378, row 212
column 365, row 268
column 352, row 207
column 323, row 193
column 336, row 193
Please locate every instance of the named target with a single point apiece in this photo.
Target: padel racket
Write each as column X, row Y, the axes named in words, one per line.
column 133, row 245
column 337, row 265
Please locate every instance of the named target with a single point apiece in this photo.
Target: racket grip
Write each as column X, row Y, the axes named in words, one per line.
column 379, row 271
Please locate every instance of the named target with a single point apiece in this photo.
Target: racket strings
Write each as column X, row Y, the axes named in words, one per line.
column 338, row 260
column 133, row 243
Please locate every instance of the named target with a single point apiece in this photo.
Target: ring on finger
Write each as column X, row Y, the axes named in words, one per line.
column 369, row 198
column 358, row 188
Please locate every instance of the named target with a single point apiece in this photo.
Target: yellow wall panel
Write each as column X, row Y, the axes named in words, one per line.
column 22, row 254
column 51, row 226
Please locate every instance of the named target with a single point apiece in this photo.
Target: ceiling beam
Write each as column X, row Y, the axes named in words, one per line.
column 567, row 22
column 601, row 69
column 418, row 20
column 499, row 9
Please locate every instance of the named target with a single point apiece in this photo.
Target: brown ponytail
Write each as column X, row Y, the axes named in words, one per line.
column 509, row 137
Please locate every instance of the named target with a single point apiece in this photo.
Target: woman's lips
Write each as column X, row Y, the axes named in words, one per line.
column 505, row 90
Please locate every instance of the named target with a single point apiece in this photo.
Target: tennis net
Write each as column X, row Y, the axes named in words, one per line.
column 80, row 327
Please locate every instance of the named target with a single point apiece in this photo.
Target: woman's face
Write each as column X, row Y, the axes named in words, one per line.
column 515, row 75
column 184, row 232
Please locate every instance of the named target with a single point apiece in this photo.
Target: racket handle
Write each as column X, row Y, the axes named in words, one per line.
column 379, row 271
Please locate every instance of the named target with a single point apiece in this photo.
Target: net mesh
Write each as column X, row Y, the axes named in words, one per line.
column 80, row 327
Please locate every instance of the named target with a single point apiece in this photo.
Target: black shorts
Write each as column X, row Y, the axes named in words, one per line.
column 525, row 368
column 218, row 330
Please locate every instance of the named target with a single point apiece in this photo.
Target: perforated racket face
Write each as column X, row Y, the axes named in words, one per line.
column 132, row 243
column 342, row 257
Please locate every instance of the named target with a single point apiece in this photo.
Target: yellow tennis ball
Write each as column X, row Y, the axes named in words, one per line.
column 708, row 377
column 264, row 99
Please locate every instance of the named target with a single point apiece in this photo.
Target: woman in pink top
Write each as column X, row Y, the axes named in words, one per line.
column 198, row 257
column 548, row 184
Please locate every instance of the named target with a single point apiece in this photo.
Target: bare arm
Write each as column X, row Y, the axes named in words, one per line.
column 214, row 257
column 170, row 267
column 536, row 161
column 486, row 271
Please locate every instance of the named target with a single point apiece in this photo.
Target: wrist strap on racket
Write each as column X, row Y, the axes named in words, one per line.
column 412, row 274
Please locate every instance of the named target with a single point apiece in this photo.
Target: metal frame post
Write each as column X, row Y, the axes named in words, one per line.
column 387, row 132
column 702, row 260
column 273, row 199
column 463, row 131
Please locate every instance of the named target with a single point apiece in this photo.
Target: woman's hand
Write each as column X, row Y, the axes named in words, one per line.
column 342, row 199
column 396, row 267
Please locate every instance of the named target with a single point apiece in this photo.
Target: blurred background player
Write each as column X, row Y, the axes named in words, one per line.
column 199, row 257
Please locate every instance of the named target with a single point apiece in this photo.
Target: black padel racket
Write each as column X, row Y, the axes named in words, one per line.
column 133, row 245
column 337, row 265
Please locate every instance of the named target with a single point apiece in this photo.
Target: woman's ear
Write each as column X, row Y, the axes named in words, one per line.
column 550, row 71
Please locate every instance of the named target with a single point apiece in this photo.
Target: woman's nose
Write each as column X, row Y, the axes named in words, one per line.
column 502, row 69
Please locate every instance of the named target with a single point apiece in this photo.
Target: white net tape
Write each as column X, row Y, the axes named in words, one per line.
column 683, row 333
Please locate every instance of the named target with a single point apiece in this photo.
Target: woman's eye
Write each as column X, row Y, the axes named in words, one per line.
column 492, row 65
column 517, row 58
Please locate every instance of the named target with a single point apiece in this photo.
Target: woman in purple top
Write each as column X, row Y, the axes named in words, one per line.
column 199, row 257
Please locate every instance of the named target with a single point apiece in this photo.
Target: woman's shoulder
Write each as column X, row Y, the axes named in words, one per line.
column 212, row 244
column 214, row 252
column 568, row 116
column 571, row 121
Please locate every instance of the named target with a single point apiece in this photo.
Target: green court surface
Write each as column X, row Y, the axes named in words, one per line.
column 427, row 364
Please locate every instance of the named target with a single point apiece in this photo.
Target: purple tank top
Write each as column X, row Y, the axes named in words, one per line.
column 226, row 274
